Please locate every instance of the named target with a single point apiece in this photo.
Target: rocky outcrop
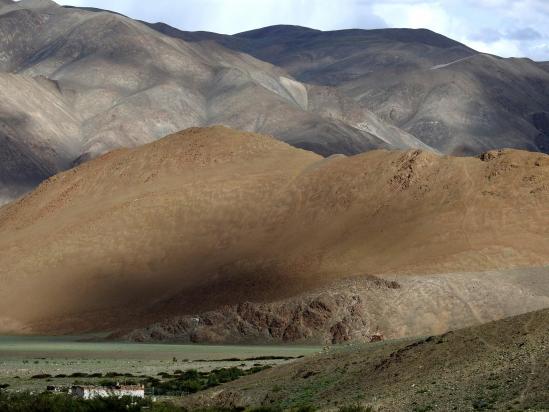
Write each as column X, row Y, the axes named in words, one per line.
column 362, row 309
column 327, row 316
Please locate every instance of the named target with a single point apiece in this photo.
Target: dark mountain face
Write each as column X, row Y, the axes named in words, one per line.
column 544, row 65
column 464, row 107
column 541, row 122
column 331, row 58
column 447, row 95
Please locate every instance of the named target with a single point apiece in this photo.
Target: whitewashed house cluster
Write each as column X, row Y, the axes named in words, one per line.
column 90, row 392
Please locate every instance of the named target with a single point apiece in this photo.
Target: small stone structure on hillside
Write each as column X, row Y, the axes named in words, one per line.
column 377, row 337
column 90, row 392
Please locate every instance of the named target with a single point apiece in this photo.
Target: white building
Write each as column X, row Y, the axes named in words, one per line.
column 90, row 392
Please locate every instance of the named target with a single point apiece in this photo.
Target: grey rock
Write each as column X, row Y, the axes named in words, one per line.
column 117, row 83
column 443, row 93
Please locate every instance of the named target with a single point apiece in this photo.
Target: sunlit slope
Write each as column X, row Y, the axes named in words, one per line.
column 214, row 216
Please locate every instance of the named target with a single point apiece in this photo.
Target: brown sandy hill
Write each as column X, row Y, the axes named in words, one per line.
column 209, row 217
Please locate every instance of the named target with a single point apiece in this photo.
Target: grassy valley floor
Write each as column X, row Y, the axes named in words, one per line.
column 502, row 365
column 33, row 363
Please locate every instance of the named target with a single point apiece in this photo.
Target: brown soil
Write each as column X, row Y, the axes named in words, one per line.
column 211, row 217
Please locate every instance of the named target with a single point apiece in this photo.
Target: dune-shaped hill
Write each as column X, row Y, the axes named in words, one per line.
column 212, row 217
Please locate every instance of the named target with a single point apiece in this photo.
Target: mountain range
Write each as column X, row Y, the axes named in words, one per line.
column 450, row 97
column 77, row 83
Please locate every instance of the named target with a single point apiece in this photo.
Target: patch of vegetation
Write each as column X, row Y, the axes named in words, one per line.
column 424, row 408
column 355, row 408
column 78, row 375
column 192, row 381
column 62, row 402
column 305, row 408
column 41, row 376
column 254, row 358
column 106, row 383
column 24, row 401
column 481, row 404
column 113, row 374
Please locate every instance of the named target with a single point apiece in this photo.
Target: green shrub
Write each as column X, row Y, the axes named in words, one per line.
column 481, row 404
column 107, row 382
column 78, row 375
column 48, row 402
column 355, row 408
column 305, row 408
column 41, row 376
column 192, row 381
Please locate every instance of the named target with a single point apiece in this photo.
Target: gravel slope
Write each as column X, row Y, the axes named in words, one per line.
column 501, row 365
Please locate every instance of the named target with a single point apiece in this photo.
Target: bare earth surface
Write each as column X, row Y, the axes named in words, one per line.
column 209, row 219
column 497, row 366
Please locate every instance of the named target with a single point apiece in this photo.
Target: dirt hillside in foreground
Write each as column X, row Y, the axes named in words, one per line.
column 213, row 216
column 497, row 366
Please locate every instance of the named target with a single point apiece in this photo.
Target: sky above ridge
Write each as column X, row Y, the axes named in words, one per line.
column 509, row 28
